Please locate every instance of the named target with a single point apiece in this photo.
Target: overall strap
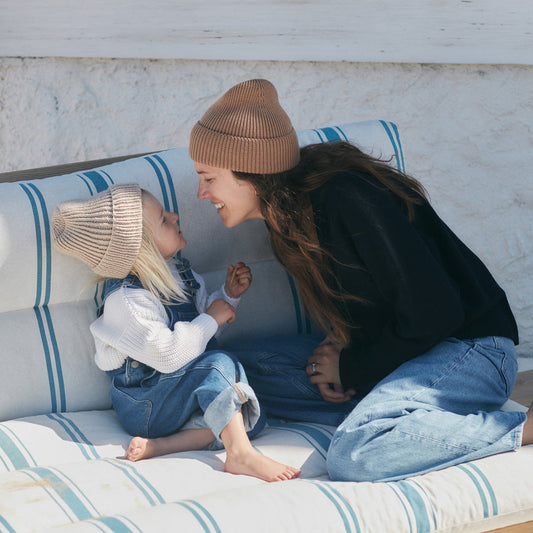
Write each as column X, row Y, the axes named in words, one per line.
column 184, row 270
column 113, row 284
column 184, row 311
column 176, row 311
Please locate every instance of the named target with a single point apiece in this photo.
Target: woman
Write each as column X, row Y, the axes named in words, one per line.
column 419, row 348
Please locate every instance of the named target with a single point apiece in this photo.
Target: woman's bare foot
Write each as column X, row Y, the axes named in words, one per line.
column 527, row 431
column 139, row 448
column 252, row 463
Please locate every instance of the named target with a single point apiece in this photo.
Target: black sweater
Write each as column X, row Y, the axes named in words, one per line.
column 420, row 283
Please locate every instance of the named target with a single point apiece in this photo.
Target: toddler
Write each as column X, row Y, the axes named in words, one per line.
column 170, row 386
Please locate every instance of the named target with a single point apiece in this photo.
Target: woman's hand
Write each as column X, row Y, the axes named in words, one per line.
column 323, row 370
column 238, row 280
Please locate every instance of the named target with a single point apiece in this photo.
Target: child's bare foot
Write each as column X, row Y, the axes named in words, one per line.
column 139, row 448
column 252, row 463
column 181, row 441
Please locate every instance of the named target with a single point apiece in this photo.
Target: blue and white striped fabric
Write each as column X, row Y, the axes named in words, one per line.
column 68, row 468
column 61, row 445
column 49, row 299
column 378, row 138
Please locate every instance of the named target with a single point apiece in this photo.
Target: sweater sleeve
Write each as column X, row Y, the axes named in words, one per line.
column 204, row 300
column 134, row 324
column 416, row 303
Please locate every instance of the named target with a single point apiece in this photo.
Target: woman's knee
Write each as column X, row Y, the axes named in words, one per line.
column 281, row 350
column 344, row 459
column 361, row 449
column 219, row 358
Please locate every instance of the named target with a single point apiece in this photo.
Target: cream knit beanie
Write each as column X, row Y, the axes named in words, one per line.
column 246, row 130
column 104, row 231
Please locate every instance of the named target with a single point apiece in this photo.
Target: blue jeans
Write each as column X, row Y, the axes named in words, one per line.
column 211, row 389
column 275, row 367
column 437, row 410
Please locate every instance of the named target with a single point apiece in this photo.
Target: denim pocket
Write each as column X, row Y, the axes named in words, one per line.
column 137, row 374
column 310, row 390
column 509, row 363
column 500, row 352
column 134, row 414
column 292, row 380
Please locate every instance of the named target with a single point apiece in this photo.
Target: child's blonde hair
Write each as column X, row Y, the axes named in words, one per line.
column 152, row 269
column 110, row 233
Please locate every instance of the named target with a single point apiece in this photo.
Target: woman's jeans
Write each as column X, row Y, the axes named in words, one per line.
column 206, row 393
column 437, row 410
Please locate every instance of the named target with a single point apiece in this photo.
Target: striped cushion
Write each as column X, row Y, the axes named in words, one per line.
column 378, row 138
column 49, row 299
column 67, row 469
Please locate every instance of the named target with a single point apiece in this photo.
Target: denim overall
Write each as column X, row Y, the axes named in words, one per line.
column 206, row 393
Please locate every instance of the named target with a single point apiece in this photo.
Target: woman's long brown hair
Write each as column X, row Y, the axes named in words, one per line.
column 286, row 207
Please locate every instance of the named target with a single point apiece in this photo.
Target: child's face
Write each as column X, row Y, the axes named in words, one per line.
column 167, row 234
column 234, row 199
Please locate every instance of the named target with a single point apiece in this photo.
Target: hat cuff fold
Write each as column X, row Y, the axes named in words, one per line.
column 243, row 154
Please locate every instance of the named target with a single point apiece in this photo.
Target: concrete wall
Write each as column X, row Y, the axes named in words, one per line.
column 466, row 130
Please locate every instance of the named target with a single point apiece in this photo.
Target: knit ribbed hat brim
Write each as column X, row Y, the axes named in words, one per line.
column 105, row 231
column 246, row 130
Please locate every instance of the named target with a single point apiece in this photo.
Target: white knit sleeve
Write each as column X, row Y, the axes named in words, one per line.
column 204, row 300
column 221, row 293
column 135, row 324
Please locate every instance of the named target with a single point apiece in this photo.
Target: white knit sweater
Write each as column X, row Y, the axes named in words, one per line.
column 135, row 324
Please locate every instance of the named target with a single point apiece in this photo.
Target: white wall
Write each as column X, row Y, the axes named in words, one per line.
column 466, row 130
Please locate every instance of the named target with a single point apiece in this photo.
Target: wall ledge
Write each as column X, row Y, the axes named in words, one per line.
column 458, row 31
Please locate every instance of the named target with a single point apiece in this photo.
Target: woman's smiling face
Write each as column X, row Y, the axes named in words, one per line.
column 235, row 200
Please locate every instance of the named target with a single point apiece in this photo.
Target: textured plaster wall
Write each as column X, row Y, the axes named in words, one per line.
column 467, row 130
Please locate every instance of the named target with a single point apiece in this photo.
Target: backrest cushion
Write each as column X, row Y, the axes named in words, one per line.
column 49, row 299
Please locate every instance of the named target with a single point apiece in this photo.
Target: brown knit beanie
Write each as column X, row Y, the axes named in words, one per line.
column 246, row 130
column 104, row 231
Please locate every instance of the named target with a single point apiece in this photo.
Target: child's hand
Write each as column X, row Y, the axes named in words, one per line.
column 238, row 279
column 221, row 311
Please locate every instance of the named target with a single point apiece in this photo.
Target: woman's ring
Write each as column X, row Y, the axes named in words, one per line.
column 313, row 367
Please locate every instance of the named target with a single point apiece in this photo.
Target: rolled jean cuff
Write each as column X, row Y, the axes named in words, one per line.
column 517, row 433
column 239, row 397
